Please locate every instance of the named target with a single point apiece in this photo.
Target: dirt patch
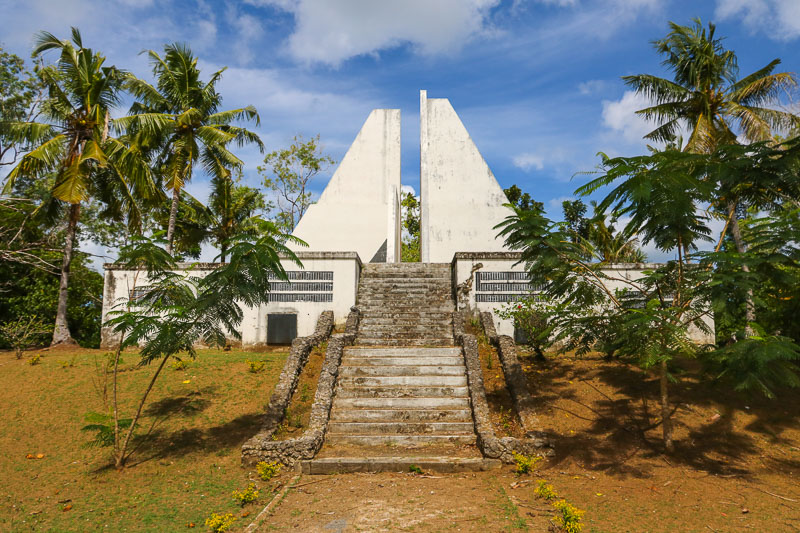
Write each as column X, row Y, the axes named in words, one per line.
column 298, row 413
column 505, row 419
column 404, row 502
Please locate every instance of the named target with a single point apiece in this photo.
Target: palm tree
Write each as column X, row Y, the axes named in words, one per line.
column 709, row 99
column 231, row 207
column 73, row 144
column 181, row 116
column 706, row 96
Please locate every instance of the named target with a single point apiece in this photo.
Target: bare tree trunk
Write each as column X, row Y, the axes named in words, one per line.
column 121, row 454
column 666, row 420
column 173, row 213
column 741, row 247
column 61, row 334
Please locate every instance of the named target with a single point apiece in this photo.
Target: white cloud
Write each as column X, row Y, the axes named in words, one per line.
column 554, row 207
column 248, row 31
column 561, row 3
column 620, row 115
column 528, row 161
column 331, row 31
column 407, row 189
column 778, row 19
column 592, row 86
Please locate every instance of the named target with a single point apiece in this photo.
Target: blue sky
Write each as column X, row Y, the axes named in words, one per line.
column 536, row 82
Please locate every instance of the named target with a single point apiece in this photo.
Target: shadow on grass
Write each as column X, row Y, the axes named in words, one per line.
column 222, row 439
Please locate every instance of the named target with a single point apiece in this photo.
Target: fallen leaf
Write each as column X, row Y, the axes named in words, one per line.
column 67, row 507
column 745, row 510
column 190, row 525
column 245, row 514
column 29, row 456
column 40, row 456
column 187, row 381
column 598, row 493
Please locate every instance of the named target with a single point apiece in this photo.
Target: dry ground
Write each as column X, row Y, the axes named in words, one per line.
column 736, row 468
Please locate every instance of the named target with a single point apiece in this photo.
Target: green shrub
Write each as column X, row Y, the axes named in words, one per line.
column 267, row 471
column 245, row 496
column 35, row 360
column 569, row 517
column 179, row 364
column 220, row 522
column 414, row 469
column 525, row 463
column 545, row 490
column 254, row 367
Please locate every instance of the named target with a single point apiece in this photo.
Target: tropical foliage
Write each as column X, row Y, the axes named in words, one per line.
column 180, row 122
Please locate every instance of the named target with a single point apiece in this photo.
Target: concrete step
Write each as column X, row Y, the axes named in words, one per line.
column 402, row 360
column 440, row 465
column 406, row 283
column 439, row 403
column 406, row 322
column 401, row 415
column 405, row 328
column 368, row 338
column 368, row 308
column 379, row 304
column 400, row 291
column 421, row 314
column 411, row 381
column 402, row 392
column 427, row 370
column 359, row 351
column 400, row 428
column 398, row 440
column 430, row 333
column 372, row 341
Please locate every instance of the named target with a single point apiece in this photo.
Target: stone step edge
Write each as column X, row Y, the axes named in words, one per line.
column 439, row 465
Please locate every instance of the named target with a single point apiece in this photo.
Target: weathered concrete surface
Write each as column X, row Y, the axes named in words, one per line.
column 359, row 209
column 491, row 446
column 405, row 304
column 344, row 267
column 261, row 447
column 442, row 465
column 516, row 381
column 460, row 198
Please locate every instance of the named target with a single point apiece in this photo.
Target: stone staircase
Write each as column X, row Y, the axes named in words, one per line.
column 401, row 396
column 405, row 304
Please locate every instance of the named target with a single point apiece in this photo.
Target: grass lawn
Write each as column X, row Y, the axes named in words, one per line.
column 199, row 416
column 736, row 466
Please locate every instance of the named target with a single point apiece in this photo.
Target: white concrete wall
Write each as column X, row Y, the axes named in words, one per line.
column 464, row 263
column 356, row 211
column 346, row 269
column 460, row 198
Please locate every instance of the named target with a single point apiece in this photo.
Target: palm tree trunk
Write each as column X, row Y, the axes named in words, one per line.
column 173, row 213
column 61, row 334
column 222, row 252
column 666, row 420
column 741, row 247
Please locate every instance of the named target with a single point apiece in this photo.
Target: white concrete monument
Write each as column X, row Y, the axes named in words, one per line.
column 460, row 198
column 359, row 210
